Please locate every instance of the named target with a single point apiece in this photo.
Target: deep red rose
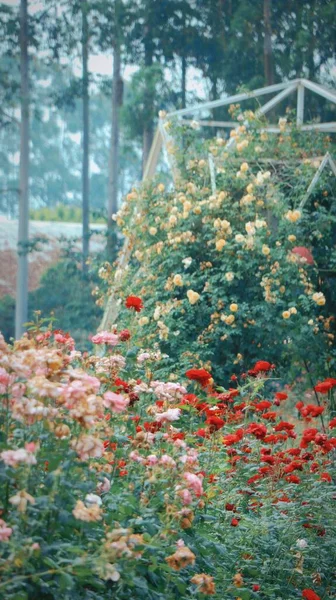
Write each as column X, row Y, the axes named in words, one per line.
column 323, row 387
column 263, row 405
column 256, row 587
column 284, row 426
column 310, row 595
column 281, row 396
column 326, row 477
column 332, row 423
column 124, row 335
column 270, row 416
column 293, row 479
column 200, row 375
column 215, row 423
column 262, row 366
column 258, row 430
column 234, row 522
column 134, row 303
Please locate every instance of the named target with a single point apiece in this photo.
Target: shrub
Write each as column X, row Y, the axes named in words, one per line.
column 224, row 275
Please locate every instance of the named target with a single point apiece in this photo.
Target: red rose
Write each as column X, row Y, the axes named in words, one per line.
column 256, row 587
column 326, row 477
column 323, row 387
column 200, row 375
column 215, row 423
column 304, row 253
column 310, row 595
column 262, row 366
column 234, row 522
column 124, row 335
column 281, row 396
column 259, row 431
column 135, row 303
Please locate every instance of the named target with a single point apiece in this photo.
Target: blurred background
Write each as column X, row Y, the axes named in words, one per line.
column 82, row 82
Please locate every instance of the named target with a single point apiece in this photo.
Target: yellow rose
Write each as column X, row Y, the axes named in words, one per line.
column 143, row 321
column 228, row 319
column 293, row 215
column 286, row 314
column 229, row 276
column 234, row 307
column 265, row 250
column 319, row 298
column 293, row 310
column 292, row 238
column 177, row 280
column 152, row 230
column 220, row 244
column 244, row 167
column 193, row 297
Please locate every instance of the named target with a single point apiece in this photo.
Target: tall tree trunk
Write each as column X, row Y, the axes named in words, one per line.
column 113, row 187
column 21, row 311
column 184, row 82
column 85, row 135
column 268, row 51
column 148, row 130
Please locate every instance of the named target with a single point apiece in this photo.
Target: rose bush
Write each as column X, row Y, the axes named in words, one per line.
column 117, row 484
column 229, row 275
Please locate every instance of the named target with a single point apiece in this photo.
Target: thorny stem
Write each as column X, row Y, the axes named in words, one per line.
column 316, row 395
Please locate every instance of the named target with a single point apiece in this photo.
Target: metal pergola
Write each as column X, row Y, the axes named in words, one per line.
column 161, row 140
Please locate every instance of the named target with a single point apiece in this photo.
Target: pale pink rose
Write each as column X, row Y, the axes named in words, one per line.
column 115, row 402
column 31, row 447
column 194, row 482
column 104, row 486
column 172, row 414
column 35, row 546
column 12, row 458
column 4, row 377
column 152, row 460
column 88, row 446
column 5, row 531
column 179, row 444
column 18, row 390
column 167, row 460
column 65, row 339
column 105, row 337
column 134, row 455
column 180, row 543
column 186, row 497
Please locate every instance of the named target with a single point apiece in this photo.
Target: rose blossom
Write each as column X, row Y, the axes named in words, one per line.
column 172, row 414
column 5, row 531
column 105, row 337
column 116, row 402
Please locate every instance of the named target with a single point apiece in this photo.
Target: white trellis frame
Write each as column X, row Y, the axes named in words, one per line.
column 281, row 90
column 161, row 138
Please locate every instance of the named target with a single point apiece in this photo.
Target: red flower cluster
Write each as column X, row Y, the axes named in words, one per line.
column 311, row 410
column 310, row 595
column 202, row 376
column 325, row 386
column 134, row 303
